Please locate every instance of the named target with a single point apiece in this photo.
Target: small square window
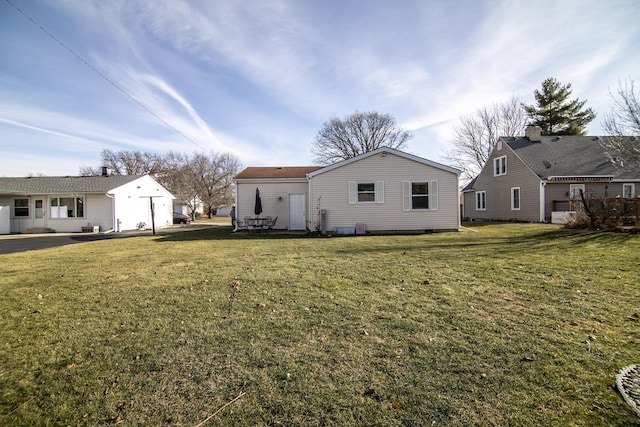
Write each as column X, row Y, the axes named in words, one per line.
column 21, row 207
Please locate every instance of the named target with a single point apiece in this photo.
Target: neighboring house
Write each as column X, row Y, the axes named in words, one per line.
column 384, row 190
column 80, row 203
column 534, row 178
column 185, row 208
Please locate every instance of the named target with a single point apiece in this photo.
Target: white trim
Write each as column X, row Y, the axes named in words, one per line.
column 500, row 163
column 543, row 201
column 407, row 195
column 578, row 187
column 484, row 200
column 632, row 192
column 592, row 178
column 378, row 192
column 513, row 199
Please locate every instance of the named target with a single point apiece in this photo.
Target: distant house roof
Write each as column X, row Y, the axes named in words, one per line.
column 568, row 156
column 63, row 184
column 276, row 172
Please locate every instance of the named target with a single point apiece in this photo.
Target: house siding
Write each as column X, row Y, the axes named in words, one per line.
column 274, row 196
column 498, row 191
column 329, row 190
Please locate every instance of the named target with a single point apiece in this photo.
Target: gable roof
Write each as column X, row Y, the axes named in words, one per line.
column 63, row 184
column 568, row 156
column 276, row 172
column 385, row 150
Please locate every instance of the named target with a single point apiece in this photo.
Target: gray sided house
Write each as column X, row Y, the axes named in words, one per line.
column 538, row 178
column 384, row 190
column 82, row 203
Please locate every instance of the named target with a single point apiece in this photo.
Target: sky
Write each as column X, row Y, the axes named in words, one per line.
column 258, row 78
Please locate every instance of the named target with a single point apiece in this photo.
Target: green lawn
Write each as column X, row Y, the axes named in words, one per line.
column 515, row 324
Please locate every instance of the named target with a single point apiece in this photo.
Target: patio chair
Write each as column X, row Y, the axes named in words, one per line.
column 241, row 225
column 272, row 223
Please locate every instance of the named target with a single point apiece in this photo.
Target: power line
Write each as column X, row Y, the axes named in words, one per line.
column 114, row 84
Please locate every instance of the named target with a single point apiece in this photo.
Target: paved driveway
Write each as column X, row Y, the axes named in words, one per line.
column 21, row 243
column 12, row 243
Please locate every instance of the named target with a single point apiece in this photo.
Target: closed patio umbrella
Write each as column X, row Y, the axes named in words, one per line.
column 258, row 207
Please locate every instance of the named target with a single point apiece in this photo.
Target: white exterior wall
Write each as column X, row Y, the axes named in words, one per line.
column 132, row 204
column 97, row 211
column 274, row 196
column 329, row 190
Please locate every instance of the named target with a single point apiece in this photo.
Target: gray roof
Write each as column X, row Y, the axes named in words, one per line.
column 568, row 156
column 63, row 184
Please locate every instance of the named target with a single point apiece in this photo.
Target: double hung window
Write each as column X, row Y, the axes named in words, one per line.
column 500, row 166
column 481, row 200
column 366, row 192
column 21, row 208
column 515, row 199
column 420, row 195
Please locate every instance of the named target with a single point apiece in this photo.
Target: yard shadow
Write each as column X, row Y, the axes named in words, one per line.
column 226, row 233
column 493, row 244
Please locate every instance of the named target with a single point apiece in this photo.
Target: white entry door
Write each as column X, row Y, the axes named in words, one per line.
column 297, row 212
column 39, row 213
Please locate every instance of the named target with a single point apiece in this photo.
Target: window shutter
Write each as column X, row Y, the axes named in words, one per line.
column 379, row 191
column 433, row 195
column 406, row 195
column 353, row 193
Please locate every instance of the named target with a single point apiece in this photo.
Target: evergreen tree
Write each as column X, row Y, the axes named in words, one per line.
column 555, row 113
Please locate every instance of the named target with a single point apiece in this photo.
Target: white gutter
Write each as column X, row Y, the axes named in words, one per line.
column 543, row 200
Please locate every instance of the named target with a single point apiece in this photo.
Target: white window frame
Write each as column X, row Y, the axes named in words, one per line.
column 630, row 193
column 515, row 201
column 574, row 191
column 481, row 200
column 408, row 196
column 378, row 192
column 500, row 166
column 58, row 211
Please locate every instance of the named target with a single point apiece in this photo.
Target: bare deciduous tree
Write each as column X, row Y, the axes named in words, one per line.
column 358, row 133
column 126, row 163
column 623, row 121
column 210, row 178
column 477, row 135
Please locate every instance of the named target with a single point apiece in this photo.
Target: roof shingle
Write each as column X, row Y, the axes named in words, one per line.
column 280, row 172
column 63, row 184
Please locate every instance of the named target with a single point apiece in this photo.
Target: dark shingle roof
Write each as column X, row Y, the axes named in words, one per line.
column 272, row 172
column 568, row 156
column 63, row 184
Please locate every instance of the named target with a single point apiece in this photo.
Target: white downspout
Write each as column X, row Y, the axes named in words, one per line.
column 542, row 200
column 235, row 225
column 113, row 213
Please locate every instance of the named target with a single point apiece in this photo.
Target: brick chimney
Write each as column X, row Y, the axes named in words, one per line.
column 534, row 133
column 106, row 171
